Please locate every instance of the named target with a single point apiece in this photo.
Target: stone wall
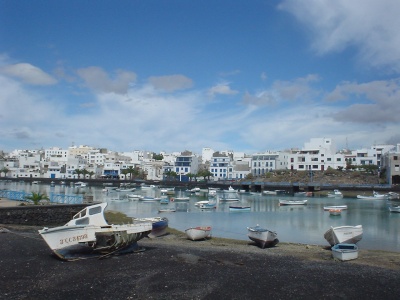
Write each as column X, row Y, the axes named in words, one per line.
column 39, row 215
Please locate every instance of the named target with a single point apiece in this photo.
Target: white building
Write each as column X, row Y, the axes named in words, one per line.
column 317, row 155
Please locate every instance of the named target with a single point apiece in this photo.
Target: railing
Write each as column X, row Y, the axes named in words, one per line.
column 54, row 198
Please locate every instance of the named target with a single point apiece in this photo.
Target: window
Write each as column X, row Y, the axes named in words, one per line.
column 396, row 168
column 338, row 159
column 301, row 166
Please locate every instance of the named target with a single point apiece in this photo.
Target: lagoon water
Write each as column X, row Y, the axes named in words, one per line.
column 304, row 224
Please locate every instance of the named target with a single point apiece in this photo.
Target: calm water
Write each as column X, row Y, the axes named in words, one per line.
column 299, row 224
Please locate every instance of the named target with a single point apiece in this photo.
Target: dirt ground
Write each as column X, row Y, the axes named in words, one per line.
column 172, row 267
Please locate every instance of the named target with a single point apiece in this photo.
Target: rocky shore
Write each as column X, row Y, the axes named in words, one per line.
column 172, row 267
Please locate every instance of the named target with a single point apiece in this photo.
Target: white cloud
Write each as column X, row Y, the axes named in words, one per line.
column 98, row 80
column 171, row 83
column 369, row 25
column 377, row 101
column 221, row 89
column 28, row 74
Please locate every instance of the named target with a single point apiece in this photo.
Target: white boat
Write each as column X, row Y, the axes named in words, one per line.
column 375, row 196
column 198, row 203
column 393, row 195
column 180, row 199
column 230, row 190
column 395, row 209
column 194, row 190
column 167, row 209
column 239, row 208
column 344, row 235
column 275, row 192
column 262, row 237
column 80, row 184
column 335, row 207
column 125, row 189
column 335, row 194
column 159, row 225
column 135, row 196
column 292, row 202
column 88, row 233
column 147, row 187
column 198, row 233
column 166, row 190
column 345, row 251
column 228, row 199
column 150, row 199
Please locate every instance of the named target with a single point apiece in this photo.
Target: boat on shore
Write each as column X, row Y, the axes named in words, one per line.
column 292, row 202
column 345, row 252
column 198, row 233
column 159, row 225
column 262, row 237
column 88, row 234
column 344, row 235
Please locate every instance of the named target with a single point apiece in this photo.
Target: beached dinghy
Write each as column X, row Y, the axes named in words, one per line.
column 198, row 233
column 262, row 237
column 345, row 251
column 88, row 234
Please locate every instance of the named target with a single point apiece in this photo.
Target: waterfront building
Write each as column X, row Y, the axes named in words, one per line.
column 220, row 165
column 317, row 155
column 391, row 165
column 186, row 163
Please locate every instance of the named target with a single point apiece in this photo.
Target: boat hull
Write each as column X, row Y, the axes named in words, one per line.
column 239, row 208
column 198, row 233
column 292, row 202
column 262, row 237
column 345, row 252
column 71, row 243
column 344, row 235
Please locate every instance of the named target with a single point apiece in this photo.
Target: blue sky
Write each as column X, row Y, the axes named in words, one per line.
column 181, row 75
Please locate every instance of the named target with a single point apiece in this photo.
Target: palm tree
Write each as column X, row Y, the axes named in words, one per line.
column 91, row 173
column 5, row 171
column 125, row 172
column 78, row 172
column 36, row 197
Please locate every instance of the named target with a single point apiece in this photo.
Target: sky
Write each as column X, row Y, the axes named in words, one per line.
column 176, row 75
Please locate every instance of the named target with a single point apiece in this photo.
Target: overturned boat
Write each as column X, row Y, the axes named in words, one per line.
column 88, row 234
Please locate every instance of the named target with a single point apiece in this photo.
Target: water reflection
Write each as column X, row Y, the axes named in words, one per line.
column 299, row 224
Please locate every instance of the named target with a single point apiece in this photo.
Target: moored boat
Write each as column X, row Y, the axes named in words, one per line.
column 88, row 233
column 345, row 251
column 335, row 207
column 395, row 209
column 198, row 233
column 262, row 237
column 292, row 202
column 335, row 211
column 239, row 208
column 335, row 194
column 344, row 235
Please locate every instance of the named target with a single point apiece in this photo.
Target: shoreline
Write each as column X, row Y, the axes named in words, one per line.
column 172, row 267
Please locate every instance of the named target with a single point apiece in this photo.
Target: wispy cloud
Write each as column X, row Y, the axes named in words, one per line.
column 171, row 83
column 98, row 80
column 221, row 89
column 28, row 74
column 370, row 26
